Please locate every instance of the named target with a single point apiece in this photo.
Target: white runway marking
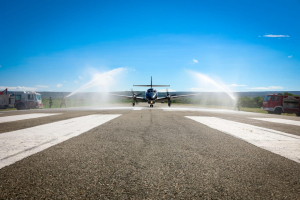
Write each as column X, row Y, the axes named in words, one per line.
column 281, row 121
column 137, row 108
column 20, row 144
column 284, row 144
column 26, row 116
column 206, row 110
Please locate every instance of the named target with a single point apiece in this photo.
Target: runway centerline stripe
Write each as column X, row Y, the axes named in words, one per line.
column 20, row 144
column 281, row 121
column 25, row 116
column 284, row 144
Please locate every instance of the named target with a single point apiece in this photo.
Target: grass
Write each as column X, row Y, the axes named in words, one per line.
column 259, row 110
column 8, row 109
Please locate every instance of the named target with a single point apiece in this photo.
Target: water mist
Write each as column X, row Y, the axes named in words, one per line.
column 214, row 91
column 104, row 80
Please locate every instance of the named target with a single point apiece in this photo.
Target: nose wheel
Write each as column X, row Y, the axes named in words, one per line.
column 169, row 104
column 133, row 104
column 151, row 106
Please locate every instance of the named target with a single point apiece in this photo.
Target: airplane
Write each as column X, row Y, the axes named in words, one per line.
column 151, row 95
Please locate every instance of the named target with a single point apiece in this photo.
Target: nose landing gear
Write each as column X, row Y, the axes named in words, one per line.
column 151, row 106
column 133, row 104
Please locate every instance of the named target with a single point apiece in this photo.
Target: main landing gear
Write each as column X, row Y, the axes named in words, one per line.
column 133, row 104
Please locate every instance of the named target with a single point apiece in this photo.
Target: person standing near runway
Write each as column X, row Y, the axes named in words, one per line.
column 50, row 102
column 63, row 101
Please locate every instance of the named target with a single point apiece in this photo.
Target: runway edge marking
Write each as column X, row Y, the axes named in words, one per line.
column 284, row 144
column 25, row 116
column 17, row 145
column 281, row 121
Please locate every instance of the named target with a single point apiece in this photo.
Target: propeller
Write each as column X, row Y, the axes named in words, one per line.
column 169, row 97
column 134, row 95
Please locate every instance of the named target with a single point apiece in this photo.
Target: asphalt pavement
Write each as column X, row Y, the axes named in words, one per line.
column 151, row 153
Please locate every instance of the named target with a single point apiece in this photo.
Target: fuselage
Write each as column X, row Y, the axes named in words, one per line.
column 151, row 95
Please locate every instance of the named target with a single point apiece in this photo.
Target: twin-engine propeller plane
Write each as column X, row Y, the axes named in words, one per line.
column 151, row 95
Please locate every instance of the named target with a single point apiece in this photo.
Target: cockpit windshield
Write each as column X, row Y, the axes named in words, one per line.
column 151, row 90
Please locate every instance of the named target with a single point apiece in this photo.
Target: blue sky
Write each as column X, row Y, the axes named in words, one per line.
column 61, row 45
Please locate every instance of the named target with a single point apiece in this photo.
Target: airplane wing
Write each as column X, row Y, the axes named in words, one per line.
column 151, row 86
column 173, row 97
column 140, row 99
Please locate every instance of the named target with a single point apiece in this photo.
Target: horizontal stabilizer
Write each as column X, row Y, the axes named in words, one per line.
column 152, row 85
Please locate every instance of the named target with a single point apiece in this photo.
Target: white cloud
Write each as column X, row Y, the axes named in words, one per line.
column 235, row 85
column 18, row 88
column 59, row 85
column 267, row 88
column 290, row 56
column 80, row 77
column 75, row 81
column 42, row 86
column 276, row 36
column 195, row 61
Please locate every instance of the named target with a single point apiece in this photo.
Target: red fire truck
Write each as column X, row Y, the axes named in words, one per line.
column 21, row 100
column 277, row 104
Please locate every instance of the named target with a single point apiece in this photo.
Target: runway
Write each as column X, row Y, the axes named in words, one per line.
column 121, row 152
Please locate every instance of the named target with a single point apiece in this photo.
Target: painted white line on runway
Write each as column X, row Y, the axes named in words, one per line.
column 284, row 144
column 207, row 110
column 26, row 116
column 281, row 121
column 137, row 108
column 20, row 144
